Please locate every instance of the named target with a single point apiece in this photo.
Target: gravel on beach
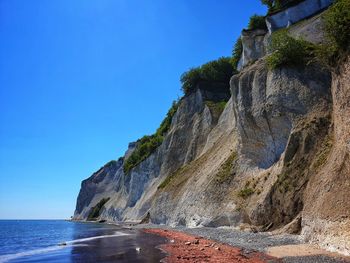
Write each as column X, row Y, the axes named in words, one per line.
column 250, row 242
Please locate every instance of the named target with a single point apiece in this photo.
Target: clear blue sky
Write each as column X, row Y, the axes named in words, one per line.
column 80, row 79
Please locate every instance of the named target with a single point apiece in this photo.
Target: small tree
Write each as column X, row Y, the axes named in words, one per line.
column 190, row 79
column 257, row 22
column 219, row 70
column 236, row 52
column 268, row 3
column 272, row 5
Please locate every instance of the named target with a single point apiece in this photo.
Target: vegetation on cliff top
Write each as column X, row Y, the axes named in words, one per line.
column 257, row 22
column 285, row 51
column 236, row 52
column 337, row 28
column 337, row 24
column 96, row 210
column 148, row 144
column 275, row 6
column 216, row 108
column 219, row 70
column 289, row 51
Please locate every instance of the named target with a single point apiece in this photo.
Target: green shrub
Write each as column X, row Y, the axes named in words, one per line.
column 219, row 70
column 236, row 53
column 337, row 24
column 245, row 192
column 337, row 29
column 216, row 108
column 96, row 210
column 225, row 172
column 165, row 124
column 268, row 3
column 190, row 79
column 257, row 22
column 288, row 51
column 148, row 144
column 111, row 163
column 275, row 6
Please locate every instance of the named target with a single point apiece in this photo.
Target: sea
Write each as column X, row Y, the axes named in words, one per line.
column 67, row 241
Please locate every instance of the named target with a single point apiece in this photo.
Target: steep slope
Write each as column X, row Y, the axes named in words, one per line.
column 132, row 194
column 326, row 217
column 260, row 131
column 276, row 158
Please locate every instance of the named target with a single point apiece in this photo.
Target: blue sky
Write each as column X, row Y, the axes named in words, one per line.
column 80, row 79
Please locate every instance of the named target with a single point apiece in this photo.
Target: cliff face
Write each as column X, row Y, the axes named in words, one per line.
column 296, row 13
column 276, row 157
column 192, row 132
column 326, row 217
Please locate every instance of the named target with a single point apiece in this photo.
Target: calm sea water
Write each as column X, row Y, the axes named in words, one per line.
column 39, row 241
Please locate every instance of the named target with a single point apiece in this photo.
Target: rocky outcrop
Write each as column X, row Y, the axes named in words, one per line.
column 254, row 43
column 294, row 14
column 179, row 183
column 266, row 109
column 192, row 129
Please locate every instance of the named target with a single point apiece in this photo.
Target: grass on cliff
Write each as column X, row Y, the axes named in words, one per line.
column 219, row 70
column 170, row 178
column 111, row 163
column 322, row 156
column 216, row 108
column 225, row 172
column 182, row 174
column 337, row 28
column 96, row 210
column 245, row 192
column 148, row 144
column 288, row 51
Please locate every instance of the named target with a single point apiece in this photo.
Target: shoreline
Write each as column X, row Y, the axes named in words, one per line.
column 237, row 245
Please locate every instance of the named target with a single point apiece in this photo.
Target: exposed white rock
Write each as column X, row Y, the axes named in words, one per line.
column 296, row 13
column 254, row 47
column 267, row 138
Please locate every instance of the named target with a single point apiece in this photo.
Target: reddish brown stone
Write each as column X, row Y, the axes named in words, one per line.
column 204, row 251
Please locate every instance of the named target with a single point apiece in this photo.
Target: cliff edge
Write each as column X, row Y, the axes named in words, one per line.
column 270, row 150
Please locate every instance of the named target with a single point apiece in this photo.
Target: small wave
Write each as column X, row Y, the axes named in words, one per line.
column 116, row 234
column 8, row 257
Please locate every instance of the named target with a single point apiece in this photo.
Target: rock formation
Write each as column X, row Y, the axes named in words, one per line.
column 276, row 157
column 294, row 14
